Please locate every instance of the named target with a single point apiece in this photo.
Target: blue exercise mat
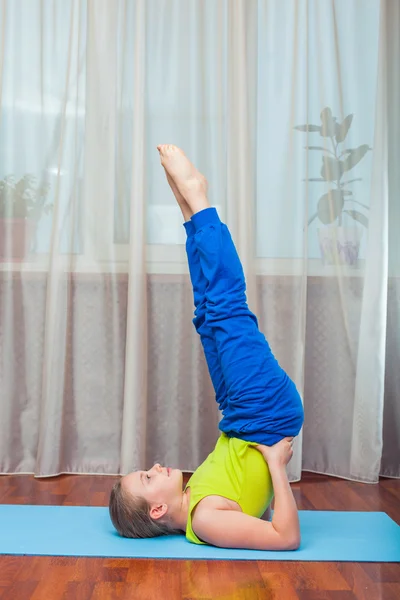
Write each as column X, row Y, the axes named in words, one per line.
column 87, row 531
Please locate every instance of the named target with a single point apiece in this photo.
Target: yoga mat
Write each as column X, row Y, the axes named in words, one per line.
column 88, row 531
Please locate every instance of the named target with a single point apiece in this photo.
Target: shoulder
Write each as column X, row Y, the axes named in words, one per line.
column 214, row 505
column 215, row 502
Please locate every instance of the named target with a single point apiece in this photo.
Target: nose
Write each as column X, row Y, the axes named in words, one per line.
column 157, row 467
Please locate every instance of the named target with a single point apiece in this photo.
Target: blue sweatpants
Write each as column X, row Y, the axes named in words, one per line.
column 259, row 402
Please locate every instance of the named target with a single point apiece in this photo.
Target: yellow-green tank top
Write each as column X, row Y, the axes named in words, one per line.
column 234, row 470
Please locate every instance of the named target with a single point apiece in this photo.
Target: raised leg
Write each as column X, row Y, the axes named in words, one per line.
column 262, row 403
column 199, row 283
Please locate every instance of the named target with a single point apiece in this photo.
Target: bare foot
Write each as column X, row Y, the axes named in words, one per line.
column 191, row 184
column 184, row 206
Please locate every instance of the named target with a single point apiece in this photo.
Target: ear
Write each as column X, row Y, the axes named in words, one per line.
column 158, row 510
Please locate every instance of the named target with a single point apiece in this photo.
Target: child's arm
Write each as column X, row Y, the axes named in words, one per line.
column 235, row 529
column 285, row 519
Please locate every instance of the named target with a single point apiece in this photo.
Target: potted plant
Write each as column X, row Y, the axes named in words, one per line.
column 22, row 203
column 338, row 244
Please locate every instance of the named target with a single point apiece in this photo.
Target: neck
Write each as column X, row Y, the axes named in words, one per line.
column 180, row 519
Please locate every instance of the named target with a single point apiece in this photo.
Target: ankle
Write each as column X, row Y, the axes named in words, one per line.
column 186, row 211
column 198, row 203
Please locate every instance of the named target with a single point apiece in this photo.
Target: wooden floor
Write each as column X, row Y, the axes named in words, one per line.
column 35, row 578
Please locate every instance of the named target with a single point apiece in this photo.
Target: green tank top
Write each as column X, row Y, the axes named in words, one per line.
column 234, row 470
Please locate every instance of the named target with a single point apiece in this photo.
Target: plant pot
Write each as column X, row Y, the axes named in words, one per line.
column 340, row 245
column 15, row 238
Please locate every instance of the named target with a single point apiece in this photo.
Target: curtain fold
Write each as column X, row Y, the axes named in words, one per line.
column 391, row 410
column 136, row 365
column 366, row 445
column 291, row 112
column 57, row 314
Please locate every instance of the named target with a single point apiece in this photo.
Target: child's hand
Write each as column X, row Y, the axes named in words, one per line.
column 279, row 454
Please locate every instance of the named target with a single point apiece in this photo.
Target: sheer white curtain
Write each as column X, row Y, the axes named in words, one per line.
column 100, row 367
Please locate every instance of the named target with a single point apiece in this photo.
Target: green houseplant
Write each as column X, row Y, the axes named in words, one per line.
column 338, row 244
column 22, row 203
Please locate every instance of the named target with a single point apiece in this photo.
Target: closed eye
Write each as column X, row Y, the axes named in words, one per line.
column 148, row 476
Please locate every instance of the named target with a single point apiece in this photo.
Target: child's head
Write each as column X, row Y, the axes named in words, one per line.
column 143, row 503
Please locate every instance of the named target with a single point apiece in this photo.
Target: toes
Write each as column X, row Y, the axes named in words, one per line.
column 165, row 149
column 162, row 148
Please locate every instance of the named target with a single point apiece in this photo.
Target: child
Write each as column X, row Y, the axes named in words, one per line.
column 262, row 410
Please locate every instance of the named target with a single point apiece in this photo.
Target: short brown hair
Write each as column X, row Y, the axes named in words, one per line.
column 130, row 516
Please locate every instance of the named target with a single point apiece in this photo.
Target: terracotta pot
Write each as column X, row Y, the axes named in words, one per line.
column 15, row 238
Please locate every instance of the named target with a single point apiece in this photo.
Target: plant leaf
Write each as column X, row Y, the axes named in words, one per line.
column 311, row 219
column 355, row 156
column 348, row 151
column 351, row 181
column 357, row 216
column 342, row 129
column 309, row 128
column 316, row 148
column 330, row 206
column 319, row 148
column 360, row 203
column 332, row 169
column 328, row 123
column 43, row 190
column 314, row 179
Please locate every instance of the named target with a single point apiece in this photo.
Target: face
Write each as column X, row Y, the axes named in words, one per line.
column 160, row 486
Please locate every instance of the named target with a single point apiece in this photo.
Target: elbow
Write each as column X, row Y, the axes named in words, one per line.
column 293, row 543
